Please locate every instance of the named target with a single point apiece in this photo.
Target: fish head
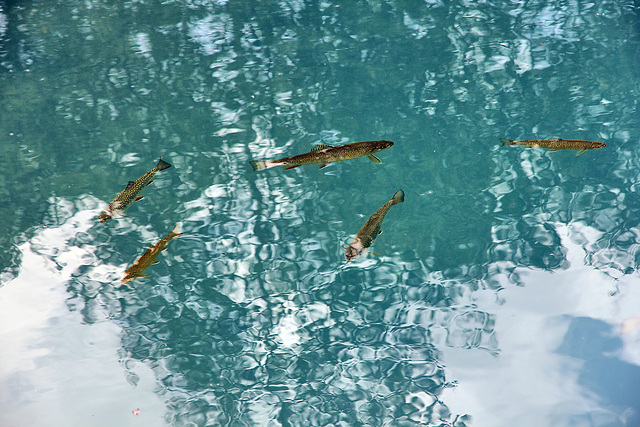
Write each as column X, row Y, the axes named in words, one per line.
column 352, row 253
column 354, row 250
column 382, row 145
column 104, row 216
column 600, row 145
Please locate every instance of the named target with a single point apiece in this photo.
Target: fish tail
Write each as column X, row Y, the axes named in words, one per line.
column 177, row 230
column 259, row 164
column 398, row 197
column 506, row 141
column 162, row 165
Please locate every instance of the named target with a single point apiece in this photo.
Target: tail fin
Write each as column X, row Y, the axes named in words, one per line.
column 258, row 164
column 506, row 141
column 162, row 165
column 398, row 197
column 177, row 230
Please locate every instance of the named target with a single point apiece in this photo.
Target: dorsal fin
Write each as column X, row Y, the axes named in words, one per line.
column 320, row 147
column 130, row 184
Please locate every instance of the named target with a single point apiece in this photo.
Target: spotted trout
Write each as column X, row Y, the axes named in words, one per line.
column 326, row 154
column 130, row 194
column 555, row 144
column 371, row 229
column 149, row 257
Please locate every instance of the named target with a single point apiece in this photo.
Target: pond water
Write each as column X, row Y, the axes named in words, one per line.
column 499, row 293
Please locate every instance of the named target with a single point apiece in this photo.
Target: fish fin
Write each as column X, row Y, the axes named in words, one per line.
column 398, row 197
column 580, row 152
column 326, row 164
column 139, row 198
column 130, row 184
column 553, row 149
column 320, row 147
column 374, row 159
column 148, row 183
column 258, row 164
column 291, row 167
column 177, row 230
column 155, row 262
column 162, row 165
column 373, row 253
column 143, row 275
column 506, row 141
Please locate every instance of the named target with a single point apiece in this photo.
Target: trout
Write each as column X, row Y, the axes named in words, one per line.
column 130, row 194
column 149, row 257
column 555, row 144
column 326, row 154
column 371, row 229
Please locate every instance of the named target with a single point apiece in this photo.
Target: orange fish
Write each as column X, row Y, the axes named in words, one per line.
column 149, row 257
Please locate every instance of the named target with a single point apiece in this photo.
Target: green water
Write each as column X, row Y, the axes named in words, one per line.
column 500, row 284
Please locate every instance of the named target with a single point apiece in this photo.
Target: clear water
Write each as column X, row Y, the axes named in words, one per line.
column 501, row 283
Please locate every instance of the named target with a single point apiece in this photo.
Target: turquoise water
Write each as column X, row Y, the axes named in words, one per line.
column 502, row 281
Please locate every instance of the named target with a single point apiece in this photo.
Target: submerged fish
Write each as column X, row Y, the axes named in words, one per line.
column 371, row 229
column 149, row 257
column 131, row 193
column 555, row 144
column 326, row 154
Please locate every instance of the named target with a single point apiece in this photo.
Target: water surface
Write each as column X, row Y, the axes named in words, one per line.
column 501, row 281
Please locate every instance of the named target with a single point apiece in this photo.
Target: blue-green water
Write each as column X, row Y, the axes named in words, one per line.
column 501, row 283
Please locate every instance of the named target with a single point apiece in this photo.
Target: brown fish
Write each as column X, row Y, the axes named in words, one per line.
column 371, row 229
column 130, row 194
column 149, row 257
column 555, row 144
column 326, row 154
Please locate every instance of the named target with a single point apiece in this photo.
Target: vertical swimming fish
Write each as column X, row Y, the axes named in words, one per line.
column 371, row 229
column 131, row 193
column 555, row 144
column 149, row 257
column 326, row 154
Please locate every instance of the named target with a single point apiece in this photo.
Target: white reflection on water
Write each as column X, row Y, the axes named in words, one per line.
column 542, row 376
column 54, row 367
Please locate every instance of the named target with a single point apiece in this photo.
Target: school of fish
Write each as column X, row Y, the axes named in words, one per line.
column 321, row 154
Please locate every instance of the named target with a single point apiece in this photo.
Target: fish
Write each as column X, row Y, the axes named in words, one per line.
column 130, row 194
column 555, row 144
column 149, row 257
column 326, row 154
column 371, row 229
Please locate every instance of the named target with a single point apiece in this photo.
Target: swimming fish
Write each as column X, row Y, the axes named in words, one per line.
column 371, row 229
column 130, row 194
column 555, row 144
column 149, row 257
column 326, row 154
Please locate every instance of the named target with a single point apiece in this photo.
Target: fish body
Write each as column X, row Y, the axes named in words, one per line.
column 131, row 193
column 555, row 144
column 149, row 257
column 371, row 229
column 325, row 154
